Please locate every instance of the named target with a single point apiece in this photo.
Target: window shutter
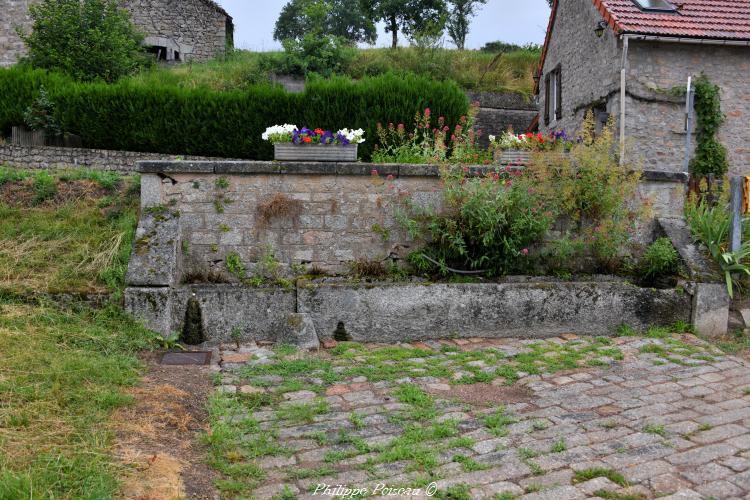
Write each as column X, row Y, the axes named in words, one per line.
column 546, row 98
column 558, row 88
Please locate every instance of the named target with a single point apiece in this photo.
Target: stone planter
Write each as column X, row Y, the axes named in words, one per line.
column 514, row 157
column 315, row 152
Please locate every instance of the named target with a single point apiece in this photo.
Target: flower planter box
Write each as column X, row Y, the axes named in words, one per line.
column 514, row 157
column 315, row 152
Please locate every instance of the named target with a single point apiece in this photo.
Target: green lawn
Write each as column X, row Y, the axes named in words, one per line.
column 63, row 370
column 471, row 69
column 64, row 232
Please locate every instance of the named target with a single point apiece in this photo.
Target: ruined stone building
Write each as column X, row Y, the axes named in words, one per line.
column 175, row 30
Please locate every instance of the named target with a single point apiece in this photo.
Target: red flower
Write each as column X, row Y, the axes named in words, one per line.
column 307, row 139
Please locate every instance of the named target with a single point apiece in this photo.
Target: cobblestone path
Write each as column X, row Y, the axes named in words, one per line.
column 627, row 417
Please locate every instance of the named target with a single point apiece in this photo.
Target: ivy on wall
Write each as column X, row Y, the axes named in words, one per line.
column 710, row 155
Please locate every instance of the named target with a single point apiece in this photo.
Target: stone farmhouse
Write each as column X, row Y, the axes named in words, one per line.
column 175, row 30
column 597, row 51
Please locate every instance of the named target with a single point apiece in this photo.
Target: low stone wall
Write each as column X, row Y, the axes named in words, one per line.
column 398, row 312
column 98, row 159
column 499, row 111
column 196, row 214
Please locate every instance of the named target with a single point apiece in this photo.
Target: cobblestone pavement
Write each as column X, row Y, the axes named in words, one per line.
column 628, row 417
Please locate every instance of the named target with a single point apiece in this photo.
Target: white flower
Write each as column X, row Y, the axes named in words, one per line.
column 279, row 133
column 353, row 136
column 492, row 138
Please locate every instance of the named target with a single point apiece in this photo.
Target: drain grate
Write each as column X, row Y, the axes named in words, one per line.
column 186, row 358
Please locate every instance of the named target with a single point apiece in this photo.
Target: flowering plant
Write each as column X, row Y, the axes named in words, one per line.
column 532, row 142
column 279, row 134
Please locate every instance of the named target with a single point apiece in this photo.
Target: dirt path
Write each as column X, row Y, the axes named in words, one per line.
column 158, row 436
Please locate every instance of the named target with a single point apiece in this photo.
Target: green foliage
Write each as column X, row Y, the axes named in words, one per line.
column 490, row 223
column 459, row 19
column 345, row 19
column 40, row 115
column 316, row 53
column 235, row 266
column 500, row 47
column 411, row 17
column 431, row 141
column 581, row 476
column 88, row 40
column 710, row 226
column 135, row 116
column 660, row 259
column 710, row 155
column 45, row 187
column 66, row 371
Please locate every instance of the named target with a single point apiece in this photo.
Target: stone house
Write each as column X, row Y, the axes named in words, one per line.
column 596, row 51
column 175, row 30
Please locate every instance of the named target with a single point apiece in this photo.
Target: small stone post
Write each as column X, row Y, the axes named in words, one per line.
column 735, row 230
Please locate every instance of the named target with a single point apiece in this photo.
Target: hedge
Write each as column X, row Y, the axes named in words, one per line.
column 167, row 119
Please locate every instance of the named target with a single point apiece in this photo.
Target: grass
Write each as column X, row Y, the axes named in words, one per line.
column 582, row 476
column 657, row 429
column 471, row 69
column 63, row 374
column 80, row 244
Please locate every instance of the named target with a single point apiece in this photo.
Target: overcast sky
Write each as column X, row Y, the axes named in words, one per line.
column 517, row 21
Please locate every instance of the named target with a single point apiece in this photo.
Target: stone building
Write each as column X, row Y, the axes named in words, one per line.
column 175, row 30
column 597, row 50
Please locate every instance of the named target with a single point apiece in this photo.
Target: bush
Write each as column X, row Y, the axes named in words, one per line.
column 489, row 224
column 167, row 119
column 660, row 259
column 19, row 87
column 88, row 40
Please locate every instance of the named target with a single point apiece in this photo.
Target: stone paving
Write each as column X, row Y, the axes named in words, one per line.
column 628, row 417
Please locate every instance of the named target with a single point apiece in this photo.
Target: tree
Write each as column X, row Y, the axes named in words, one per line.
column 87, row 39
column 345, row 19
column 412, row 17
column 459, row 19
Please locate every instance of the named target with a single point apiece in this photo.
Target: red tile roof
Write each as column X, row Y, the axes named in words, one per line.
column 713, row 19
column 698, row 19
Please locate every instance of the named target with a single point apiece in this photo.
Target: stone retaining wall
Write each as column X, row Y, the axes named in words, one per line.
column 99, row 159
column 196, row 214
column 335, row 213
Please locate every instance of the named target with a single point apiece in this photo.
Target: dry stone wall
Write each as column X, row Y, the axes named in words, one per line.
column 98, row 159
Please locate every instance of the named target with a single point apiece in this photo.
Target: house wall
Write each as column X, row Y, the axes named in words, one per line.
column 655, row 122
column 654, row 117
column 590, row 65
column 13, row 14
column 195, row 28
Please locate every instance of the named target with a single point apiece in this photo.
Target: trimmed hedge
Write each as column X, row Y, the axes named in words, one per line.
column 18, row 87
column 166, row 119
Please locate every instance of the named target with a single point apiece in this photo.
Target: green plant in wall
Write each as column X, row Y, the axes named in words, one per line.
column 235, row 266
column 710, row 155
column 660, row 259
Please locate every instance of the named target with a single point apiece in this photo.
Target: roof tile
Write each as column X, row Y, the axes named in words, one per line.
column 722, row 19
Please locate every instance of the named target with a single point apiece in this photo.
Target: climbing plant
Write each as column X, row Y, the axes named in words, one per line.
column 710, row 155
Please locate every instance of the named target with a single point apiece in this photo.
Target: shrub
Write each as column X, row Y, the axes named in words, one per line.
column 594, row 192
column 660, row 259
column 166, row 119
column 489, row 223
column 88, row 40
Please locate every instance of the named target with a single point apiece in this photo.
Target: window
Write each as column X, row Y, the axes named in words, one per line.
column 655, row 5
column 553, row 96
column 159, row 52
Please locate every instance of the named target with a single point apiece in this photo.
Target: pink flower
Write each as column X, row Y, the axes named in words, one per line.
column 525, row 251
column 427, row 112
column 374, row 172
column 390, row 177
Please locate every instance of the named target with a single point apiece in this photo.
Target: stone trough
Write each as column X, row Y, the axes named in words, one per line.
column 183, row 234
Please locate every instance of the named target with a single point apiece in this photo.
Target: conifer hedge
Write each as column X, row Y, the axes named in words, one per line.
column 168, row 119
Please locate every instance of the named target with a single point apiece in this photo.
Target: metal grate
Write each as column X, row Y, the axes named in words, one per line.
column 186, row 358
